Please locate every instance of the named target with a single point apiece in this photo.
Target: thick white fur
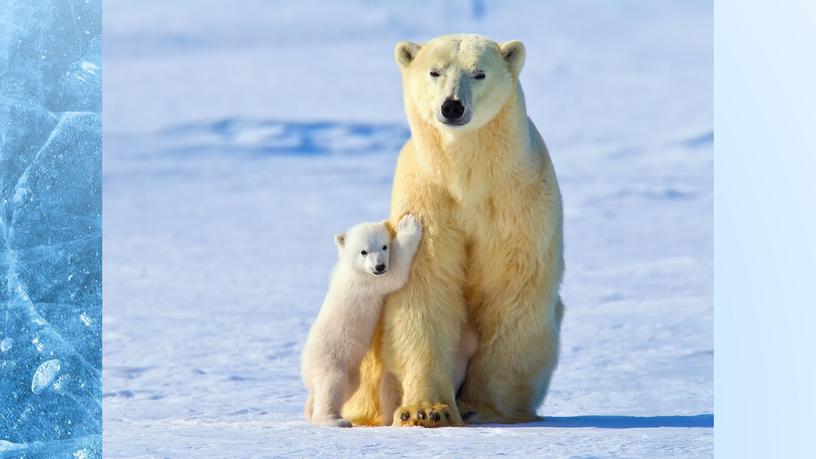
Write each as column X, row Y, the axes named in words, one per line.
column 344, row 328
column 491, row 257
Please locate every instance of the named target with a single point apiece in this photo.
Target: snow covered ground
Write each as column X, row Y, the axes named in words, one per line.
column 239, row 137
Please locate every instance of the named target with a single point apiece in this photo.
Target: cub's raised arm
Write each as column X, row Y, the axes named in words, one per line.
column 404, row 247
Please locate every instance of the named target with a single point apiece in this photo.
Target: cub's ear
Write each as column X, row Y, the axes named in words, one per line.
column 389, row 226
column 405, row 52
column 514, row 55
column 340, row 240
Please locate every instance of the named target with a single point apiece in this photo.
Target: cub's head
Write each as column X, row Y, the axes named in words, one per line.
column 366, row 247
column 459, row 82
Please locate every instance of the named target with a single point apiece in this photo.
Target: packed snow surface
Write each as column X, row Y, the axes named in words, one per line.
column 239, row 138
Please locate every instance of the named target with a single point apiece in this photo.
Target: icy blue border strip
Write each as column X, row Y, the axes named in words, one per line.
column 764, row 228
column 50, row 228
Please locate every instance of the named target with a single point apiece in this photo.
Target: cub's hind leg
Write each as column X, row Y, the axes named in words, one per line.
column 309, row 407
column 330, row 393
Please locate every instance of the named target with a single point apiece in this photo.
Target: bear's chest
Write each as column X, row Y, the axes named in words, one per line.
column 492, row 218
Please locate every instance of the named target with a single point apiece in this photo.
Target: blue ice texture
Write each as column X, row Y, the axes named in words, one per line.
column 50, row 228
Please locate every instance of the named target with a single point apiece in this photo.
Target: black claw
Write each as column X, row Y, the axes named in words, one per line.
column 435, row 417
column 404, row 416
column 421, row 415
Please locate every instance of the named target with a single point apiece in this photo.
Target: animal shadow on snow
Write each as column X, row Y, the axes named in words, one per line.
column 618, row 422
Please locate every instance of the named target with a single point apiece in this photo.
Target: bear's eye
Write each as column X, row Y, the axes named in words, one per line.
column 363, row 253
column 434, row 73
column 385, row 247
column 479, row 76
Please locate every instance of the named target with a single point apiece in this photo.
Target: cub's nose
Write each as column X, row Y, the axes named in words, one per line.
column 452, row 109
column 379, row 268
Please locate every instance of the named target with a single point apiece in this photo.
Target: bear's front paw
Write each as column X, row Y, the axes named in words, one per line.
column 409, row 227
column 426, row 414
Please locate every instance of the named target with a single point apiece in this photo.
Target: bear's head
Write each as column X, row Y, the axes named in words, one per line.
column 459, row 82
column 366, row 247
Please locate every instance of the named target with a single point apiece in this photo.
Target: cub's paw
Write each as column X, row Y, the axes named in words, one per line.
column 409, row 226
column 426, row 414
column 331, row 422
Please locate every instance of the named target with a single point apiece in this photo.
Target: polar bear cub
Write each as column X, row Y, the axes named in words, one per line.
column 370, row 266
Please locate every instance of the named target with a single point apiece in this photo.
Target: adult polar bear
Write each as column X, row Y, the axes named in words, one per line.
column 478, row 174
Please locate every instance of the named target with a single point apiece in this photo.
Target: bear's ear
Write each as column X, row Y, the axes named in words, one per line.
column 340, row 240
column 405, row 52
column 514, row 55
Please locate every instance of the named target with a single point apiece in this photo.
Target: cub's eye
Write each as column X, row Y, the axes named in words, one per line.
column 479, row 76
column 363, row 253
column 434, row 73
column 385, row 247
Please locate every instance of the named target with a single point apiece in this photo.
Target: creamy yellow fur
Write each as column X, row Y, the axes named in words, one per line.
column 491, row 254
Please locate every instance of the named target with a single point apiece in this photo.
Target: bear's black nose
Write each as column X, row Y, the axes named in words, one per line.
column 452, row 109
column 379, row 268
